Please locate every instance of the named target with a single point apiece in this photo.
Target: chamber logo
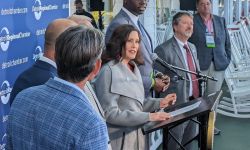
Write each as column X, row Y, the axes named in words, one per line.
column 4, row 137
column 5, row 92
column 38, row 53
column 37, row 9
column 6, row 37
column 2, row 147
column 4, row 42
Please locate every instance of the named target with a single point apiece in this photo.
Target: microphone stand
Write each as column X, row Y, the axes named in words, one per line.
column 199, row 75
column 203, row 78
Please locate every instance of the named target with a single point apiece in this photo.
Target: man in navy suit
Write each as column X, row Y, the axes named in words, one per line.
column 45, row 67
column 58, row 114
column 129, row 14
column 210, row 36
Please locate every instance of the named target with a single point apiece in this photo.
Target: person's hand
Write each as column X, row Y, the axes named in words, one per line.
column 162, row 82
column 170, row 99
column 159, row 85
column 159, row 116
column 166, row 80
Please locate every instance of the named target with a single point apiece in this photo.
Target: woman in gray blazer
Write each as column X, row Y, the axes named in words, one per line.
column 120, row 91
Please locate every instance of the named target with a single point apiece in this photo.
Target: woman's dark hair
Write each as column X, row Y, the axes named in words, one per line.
column 77, row 50
column 117, row 42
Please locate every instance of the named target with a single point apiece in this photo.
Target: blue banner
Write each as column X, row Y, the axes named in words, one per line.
column 22, row 28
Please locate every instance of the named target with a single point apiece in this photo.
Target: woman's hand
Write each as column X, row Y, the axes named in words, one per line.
column 159, row 116
column 170, row 99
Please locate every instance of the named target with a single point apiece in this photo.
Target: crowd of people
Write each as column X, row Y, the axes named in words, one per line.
column 96, row 91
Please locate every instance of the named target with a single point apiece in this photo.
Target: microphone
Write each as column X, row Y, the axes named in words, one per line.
column 172, row 68
column 155, row 58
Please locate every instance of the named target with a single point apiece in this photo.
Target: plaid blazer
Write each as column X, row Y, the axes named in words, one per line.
column 54, row 116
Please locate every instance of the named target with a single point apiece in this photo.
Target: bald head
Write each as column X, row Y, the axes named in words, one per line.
column 81, row 20
column 53, row 30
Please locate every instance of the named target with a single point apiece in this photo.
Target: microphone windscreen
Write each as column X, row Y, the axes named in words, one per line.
column 154, row 56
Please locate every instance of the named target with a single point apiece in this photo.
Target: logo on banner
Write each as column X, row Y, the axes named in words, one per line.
column 4, row 137
column 4, row 42
column 5, row 92
column 38, row 53
column 37, row 9
column 6, row 37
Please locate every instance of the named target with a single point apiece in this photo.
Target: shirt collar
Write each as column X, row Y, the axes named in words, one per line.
column 47, row 60
column 133, row 17
column 207, row 20
column 180, row 42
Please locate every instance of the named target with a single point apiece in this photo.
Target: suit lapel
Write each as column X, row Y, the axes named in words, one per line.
column 177, row 50
column 123, row 79
column 215, row 22
column 147, row 42
column 200, row 22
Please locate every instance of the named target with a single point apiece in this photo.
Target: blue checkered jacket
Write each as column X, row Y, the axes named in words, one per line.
column 54, row 116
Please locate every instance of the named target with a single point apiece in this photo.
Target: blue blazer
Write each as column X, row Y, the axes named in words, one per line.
column 55, row 116
column 221, row 54
column 146, row 69
column 37, row 74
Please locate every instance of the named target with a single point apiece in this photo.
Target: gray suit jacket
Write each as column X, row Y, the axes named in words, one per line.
column 121, row 95
column 146, row 69
column 221, row 54
column 170, row 52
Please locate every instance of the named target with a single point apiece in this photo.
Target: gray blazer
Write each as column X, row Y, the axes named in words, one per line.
column 146, row 69
column 221, row 54
column 121, row 95
column 170, row 52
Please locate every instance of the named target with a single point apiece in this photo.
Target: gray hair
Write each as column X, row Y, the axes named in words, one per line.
column 77, row 50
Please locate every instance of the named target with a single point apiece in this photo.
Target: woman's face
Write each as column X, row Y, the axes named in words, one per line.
column 131, row 46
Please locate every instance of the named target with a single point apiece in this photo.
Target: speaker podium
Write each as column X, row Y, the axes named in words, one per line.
column 204, row 113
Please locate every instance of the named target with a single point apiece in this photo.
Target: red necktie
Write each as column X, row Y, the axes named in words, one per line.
column 191, row 67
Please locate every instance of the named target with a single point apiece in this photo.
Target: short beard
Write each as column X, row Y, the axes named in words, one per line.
column 188, row 34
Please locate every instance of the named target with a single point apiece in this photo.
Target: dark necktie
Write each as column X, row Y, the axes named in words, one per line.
column 191, row 67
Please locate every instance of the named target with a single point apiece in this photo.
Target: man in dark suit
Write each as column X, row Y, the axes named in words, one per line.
column 212, row 41
column 179, row 52
column 58, row 114
column 45, row 67
column 81, row 11
column 129, row 14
